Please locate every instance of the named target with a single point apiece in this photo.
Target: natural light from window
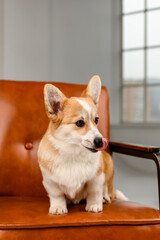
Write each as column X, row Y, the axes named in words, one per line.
column 140, row 61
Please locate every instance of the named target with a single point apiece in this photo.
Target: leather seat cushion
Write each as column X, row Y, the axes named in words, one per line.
column 32, row 213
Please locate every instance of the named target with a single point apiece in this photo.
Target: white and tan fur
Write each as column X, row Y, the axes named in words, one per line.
column 71, row 171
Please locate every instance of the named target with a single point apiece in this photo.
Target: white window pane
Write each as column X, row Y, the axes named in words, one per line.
column 153, row 30
column 133, row 67
column 133, row 31
column 133, row 104
column 153, row 104
column 153, row 65
column 153, row 3
column 132, row 5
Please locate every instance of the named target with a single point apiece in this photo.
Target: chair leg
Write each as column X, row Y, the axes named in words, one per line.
column 156, row 158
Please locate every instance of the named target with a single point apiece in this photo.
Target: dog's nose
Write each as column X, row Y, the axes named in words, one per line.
column 98, row 142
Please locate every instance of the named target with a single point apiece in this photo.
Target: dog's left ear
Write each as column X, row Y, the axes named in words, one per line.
column 93, row 89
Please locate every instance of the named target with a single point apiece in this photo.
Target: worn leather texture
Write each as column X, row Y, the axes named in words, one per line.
column 28, row 218
column 23, row 202
column 31, row 213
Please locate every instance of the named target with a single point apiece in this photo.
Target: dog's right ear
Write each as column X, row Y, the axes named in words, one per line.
column 54, row 100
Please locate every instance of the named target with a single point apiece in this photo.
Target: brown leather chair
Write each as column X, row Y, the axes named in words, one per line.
column 23, row 201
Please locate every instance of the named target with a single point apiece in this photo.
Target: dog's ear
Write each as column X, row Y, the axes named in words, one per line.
column 93, row 89
column 54, row 100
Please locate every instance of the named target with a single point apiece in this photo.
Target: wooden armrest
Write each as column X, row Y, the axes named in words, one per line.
column 152, row 153
column 115, row 146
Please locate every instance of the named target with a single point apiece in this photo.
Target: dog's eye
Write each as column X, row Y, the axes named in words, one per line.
column 96, row 120
column 80, row 123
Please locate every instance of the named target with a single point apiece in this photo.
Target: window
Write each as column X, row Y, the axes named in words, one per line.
column 140, row 61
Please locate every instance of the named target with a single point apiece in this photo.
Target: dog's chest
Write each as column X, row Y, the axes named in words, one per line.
column 73, row 171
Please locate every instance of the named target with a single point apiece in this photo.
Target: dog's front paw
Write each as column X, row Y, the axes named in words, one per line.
column 58, row 210
column 94, row 208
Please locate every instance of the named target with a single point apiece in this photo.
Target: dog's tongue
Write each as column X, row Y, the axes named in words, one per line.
column 105, row 144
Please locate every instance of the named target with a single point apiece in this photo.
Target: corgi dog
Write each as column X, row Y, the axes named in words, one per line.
column 71, row 155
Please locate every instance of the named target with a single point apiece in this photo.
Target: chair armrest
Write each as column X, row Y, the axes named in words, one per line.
column 152, row 153
column 117, row 146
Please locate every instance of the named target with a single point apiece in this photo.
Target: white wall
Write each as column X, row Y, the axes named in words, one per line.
column 26, row 39
column 64, row 40
column 81, row 33
column 114, row 90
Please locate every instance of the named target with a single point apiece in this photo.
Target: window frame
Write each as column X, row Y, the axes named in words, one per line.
column 144, row 48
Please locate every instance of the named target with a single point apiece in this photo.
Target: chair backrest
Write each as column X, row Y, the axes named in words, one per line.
column 23, row 122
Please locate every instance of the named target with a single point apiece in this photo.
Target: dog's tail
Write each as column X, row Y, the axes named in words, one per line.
column 120, row 196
